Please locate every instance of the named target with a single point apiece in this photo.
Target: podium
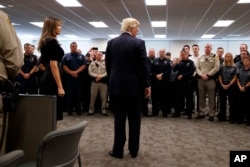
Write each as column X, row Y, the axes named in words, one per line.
column 34, row 118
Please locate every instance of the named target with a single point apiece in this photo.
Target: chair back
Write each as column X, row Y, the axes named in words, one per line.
column 11, row 159
column 61, row 147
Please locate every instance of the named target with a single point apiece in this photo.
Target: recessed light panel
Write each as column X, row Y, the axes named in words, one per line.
column 243, row 1
column 38, row 24
column 159, row 23
column 160, row 36
column 208, row 36
column 99, row 24
column 223, row 23
column 156, row 2
column 69, row 3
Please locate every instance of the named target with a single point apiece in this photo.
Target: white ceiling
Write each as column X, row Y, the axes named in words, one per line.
column 186, row 19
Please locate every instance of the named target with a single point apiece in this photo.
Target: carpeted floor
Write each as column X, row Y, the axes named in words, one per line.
column 165, row 142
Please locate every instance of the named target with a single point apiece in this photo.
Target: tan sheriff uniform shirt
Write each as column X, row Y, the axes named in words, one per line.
column 11, row 53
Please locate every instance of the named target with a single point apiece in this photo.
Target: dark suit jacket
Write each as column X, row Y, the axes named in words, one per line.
column 127, row 67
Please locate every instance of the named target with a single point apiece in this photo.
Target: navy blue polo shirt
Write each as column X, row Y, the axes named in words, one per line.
column 73, row 60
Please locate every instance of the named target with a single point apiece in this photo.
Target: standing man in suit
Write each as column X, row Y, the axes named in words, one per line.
column 129, row 83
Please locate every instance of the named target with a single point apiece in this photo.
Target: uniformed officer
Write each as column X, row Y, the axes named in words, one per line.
column 227, row 78
column 243, row 82
column 10, row 51
column 86, row 85
column 97, row 70
column 27, row 77
column 207, row 66
column 161, row 69
column 73, row 64
column 11, row 56
column 150, row 60
column 184, row 84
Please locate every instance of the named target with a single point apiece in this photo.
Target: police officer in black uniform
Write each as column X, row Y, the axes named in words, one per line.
column 161, row 69
column 86, row 84
column 184, row 84
column 26, row 76
column 243, row 82
column 150, row 60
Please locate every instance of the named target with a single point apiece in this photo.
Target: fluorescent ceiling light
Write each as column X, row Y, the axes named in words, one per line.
column 243, row 1
column 38, row 24
column 160, row 36
column 69, row 3
column 15, row 24
column 223, row 23
column 113, row 36
column 99, row 24
column 156, row 2
column 1, row 6
column 208, row 36
column 159, row 23
column 71, row 36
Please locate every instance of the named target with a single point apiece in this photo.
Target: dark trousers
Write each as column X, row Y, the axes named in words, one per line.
column 74, row 93
column 160, row 97
column 243, row 106
column 184, row 92
column 226, row 94
column 86, row 94
column 196, row 90
column 123, row 107
column 27, row 85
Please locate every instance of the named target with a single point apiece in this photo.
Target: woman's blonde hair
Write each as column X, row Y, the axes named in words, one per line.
column 231, row 63
column 128, row 23
column 48, row 30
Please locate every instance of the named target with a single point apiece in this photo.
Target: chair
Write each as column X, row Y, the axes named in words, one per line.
column 11, row 159
column 59, row 148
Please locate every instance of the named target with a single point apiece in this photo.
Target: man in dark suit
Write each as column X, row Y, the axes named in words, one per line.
column 129, row 83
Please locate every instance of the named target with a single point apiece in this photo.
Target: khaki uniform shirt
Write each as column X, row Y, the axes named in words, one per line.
column 209, row 65
column 11, row 53
column 97, row 68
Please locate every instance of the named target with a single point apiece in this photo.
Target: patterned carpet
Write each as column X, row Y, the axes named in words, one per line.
column 165, row 142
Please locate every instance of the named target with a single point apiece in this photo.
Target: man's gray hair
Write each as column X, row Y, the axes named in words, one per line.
column 128, row 23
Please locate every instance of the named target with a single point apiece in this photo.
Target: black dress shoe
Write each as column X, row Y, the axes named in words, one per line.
column 114, row 155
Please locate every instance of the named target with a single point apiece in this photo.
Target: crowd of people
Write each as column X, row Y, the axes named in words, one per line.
column 128, row 79
column 220, row 78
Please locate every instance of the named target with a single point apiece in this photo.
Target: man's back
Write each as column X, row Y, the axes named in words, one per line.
column 126, row 63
